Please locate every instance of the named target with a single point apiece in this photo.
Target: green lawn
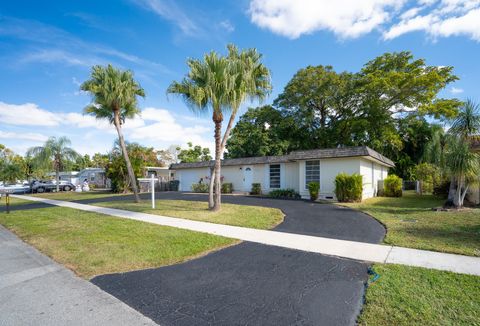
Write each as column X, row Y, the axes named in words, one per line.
column 72, row 195
column 239, row 215
column 411, row 223
column 417, row 296
column 92, row 244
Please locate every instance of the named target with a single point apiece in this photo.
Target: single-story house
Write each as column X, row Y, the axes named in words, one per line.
column 294, row 170
column 94, row 176
column 163, row 173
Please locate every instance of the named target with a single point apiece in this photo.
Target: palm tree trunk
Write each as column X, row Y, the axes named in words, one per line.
column 218, row 154
column 227, row 131
column 451, row 193
column 457, row 200
column 57, row 177
column 211, row 201
column 133, row 181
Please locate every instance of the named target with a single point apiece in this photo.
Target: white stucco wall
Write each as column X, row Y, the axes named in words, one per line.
column 187, row 177
column 329, row 169
column 292, row 175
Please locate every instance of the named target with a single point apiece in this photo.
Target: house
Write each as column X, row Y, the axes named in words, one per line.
column 69, row 176
column 94, row 176
column 163, row 173
column 294, row 170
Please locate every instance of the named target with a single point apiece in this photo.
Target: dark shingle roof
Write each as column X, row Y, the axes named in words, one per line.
column 293, row 156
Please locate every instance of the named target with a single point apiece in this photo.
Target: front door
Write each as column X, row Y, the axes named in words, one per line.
column 247, row 178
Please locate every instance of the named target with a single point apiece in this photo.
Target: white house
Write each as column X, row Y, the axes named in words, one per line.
column 294, row 170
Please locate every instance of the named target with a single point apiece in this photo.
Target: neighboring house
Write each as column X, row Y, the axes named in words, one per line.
column 69, row 176
column 294, row 170
column 94, row 176
column 163, row 173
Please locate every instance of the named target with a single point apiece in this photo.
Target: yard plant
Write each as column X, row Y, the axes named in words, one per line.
column 348, row 188
column 392, row 186
column 313, row 189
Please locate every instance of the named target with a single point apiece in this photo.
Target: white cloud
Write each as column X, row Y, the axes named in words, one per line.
column 227, row 26
column 444, row 18
column 27, row 114
column 154, row 127
column 354, row 18
column 32, row 136
column 169, row 10
column 345, row 18
column 455, row 90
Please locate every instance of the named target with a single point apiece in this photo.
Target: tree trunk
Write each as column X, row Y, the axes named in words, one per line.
column 211, row 201
column 133, row 181
column 457, row 199
column 451, row 193
column 462, row 199
column 218, row 146
column 57, row 177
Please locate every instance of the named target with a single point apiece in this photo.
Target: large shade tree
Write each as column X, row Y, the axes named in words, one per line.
column 56, row 153
column 114, row 98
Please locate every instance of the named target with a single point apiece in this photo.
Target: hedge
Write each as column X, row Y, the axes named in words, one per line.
column 348, row 188
column 284, row 194
column 227, row 188
column 256, row 189
column 392, row 186
column 200, row 187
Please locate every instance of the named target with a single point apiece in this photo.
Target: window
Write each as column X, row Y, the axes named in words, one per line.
column 92, row 177
column 312, row 172
column 275, row 176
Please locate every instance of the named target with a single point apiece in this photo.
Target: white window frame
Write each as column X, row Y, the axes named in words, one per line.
column 279, row 176
column 306, row 167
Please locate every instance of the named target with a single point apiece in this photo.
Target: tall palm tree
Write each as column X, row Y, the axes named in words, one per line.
column 208, row 85
column 114, row 97
column 55, row 151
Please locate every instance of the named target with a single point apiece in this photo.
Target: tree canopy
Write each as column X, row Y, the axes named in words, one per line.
column 385, row 105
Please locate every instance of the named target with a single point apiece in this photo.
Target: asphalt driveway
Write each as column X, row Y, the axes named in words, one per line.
column 254, row 284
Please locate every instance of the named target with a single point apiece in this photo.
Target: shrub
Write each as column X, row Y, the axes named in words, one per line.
column 256, row 189
column 428, row 175
column 313, row 189
column 227, row 188
column 392, row 186
column 442, row 189
column 284, row 194
column 200, row 187
column 348, row 188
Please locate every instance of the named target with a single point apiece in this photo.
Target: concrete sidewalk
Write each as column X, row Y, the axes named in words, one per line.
column 341, row 248
column 35, row 290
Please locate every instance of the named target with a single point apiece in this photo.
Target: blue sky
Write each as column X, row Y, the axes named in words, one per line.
column 48, row 47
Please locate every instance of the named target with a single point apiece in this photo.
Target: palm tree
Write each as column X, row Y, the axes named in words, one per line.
column 55, row 151
column 209, row 84
column 464, row 168
column 460, row 161
column 252, row 82
column 114, row 93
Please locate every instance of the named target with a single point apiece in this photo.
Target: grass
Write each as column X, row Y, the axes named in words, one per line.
column 417, row 296
column 411, row 223
column 238, row 215
column 72, row 195
column 91, row 244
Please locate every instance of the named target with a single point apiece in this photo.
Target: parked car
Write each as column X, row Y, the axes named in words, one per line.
column 17, row 188
column 45, row 186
